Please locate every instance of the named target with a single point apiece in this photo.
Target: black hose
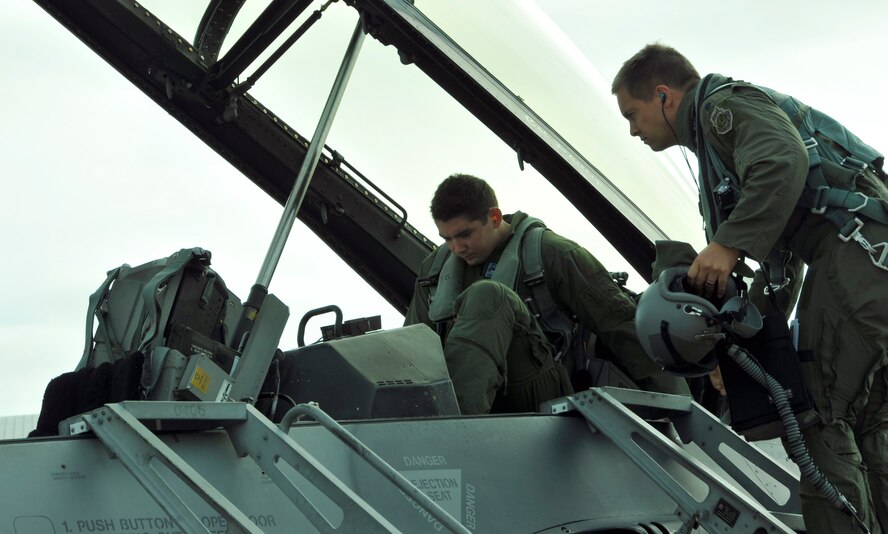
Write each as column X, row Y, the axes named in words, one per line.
column 796, row 445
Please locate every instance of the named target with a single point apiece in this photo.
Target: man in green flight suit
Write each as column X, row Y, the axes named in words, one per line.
column 758, row 202
column 497, row 354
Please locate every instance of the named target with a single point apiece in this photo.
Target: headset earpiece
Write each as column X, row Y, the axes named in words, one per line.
column 663, row 97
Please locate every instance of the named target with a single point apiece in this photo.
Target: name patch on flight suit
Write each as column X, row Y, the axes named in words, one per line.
column 722, row 119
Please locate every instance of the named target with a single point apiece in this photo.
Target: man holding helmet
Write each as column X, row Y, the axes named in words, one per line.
column 778, row 177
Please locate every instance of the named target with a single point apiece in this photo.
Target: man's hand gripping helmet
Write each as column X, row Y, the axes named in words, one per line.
column 679, row 330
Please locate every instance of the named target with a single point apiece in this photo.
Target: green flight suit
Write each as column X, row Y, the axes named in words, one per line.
column 842, row 309
column 496, row 352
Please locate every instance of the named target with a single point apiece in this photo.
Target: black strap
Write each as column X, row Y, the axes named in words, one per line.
column 667, row 341
column 560, row 328
column 704, row 164
column 774, row 269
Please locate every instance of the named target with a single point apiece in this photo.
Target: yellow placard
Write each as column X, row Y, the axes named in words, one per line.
column 201, row 380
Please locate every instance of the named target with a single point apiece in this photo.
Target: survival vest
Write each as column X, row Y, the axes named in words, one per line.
column 524, row 249
column 825, row 140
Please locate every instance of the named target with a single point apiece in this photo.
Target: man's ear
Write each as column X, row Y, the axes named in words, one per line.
column 495, row 215
column 663, row 93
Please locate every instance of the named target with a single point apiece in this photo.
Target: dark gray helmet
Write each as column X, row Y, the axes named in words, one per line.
column 679, row 330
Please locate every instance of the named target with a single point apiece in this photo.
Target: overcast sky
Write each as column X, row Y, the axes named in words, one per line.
column 96, row 175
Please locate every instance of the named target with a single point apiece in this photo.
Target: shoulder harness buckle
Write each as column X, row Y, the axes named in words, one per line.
column 817, row 205
column 854, row 233
column 535, row 279
column 428, row 281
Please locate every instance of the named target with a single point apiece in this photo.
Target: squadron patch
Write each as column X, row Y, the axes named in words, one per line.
column 722, row 119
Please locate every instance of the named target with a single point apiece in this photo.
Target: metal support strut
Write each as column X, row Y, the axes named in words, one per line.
column 723, row 509
column 136, row 446
column 375, row 461
column 303, row 179
column 120, row 428
column 300, row 187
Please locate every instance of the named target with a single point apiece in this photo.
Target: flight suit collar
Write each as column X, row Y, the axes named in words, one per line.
column 514, row 219
column 684, row 127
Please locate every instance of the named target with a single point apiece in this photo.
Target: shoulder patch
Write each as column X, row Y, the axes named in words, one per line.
column 722, row 119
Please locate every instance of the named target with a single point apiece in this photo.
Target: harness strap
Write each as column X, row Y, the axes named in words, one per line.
column 559, row 327
column 94, row 301
column 776, row 264
column 843, row 207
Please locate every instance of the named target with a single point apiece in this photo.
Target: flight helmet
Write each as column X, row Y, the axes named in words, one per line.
column 680, row 330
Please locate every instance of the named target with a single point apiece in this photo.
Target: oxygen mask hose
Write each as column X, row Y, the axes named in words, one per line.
column 795, row 444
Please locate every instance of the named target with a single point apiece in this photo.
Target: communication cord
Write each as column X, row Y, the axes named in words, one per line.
column 680, row 146
column 796, row 445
